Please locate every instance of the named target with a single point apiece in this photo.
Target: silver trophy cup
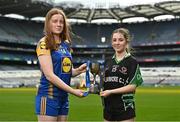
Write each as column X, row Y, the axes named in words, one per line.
column 95, row 69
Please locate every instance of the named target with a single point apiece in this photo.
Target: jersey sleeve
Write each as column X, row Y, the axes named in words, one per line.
column 135, row 76
column 41, row 49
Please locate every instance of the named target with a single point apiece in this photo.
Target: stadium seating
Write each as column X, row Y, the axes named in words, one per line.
column 91, row 41
column 20, row 31
column 161, row 75
column 25, row 31
column 19, row 78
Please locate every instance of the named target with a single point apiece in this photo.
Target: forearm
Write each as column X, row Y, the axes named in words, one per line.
column 75, row 72
column 125, row 89
column 59, row 83
column 79, row 70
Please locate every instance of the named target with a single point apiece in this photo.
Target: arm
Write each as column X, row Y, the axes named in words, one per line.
column 122, row 90
column 79, row 70
column 47, row 68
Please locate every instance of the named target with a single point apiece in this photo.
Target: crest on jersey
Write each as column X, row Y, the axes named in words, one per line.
column 66, row 65
column 123, row 70
column 42, row 45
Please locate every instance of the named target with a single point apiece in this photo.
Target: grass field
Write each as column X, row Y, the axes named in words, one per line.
column 152, row 104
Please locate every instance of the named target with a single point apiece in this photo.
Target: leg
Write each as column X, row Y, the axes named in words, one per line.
column 62, row 118
column 63, row 111
column 44, row 118
column 106, row 120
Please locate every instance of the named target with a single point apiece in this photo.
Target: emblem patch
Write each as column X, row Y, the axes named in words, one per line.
column 123, row 70
column 66, row 65
column 42, row 45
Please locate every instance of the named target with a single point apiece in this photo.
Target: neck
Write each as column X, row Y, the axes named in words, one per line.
column 57, row 38
column 120, row 55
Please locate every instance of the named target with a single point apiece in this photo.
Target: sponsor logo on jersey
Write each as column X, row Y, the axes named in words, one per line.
column 138, row 76
column 66, row 65
column 42, row 45
column 114, row 68
column 115, row 79
column 123, row 70
column 62, row 49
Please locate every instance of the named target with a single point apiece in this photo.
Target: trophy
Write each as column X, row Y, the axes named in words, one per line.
column 92, row 87
column 94, row 69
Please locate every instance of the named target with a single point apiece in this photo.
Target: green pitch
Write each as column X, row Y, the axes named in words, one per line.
column 152, row 104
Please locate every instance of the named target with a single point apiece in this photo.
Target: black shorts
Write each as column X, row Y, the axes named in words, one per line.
column 119, row 116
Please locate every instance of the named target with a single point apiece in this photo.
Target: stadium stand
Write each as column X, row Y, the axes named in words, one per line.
column 161, row 76
column 19, row 78
column 20, row 31
column 164, row 32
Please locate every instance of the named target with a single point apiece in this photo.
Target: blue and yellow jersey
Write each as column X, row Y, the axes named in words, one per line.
column 62, row 67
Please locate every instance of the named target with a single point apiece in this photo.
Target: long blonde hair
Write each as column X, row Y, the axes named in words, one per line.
column 65, row 35
column 126, row 34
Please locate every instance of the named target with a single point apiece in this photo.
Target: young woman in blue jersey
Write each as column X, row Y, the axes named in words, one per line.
column 55, row 61
column 122, row 76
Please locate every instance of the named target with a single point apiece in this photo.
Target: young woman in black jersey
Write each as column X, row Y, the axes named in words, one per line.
column 122, row 76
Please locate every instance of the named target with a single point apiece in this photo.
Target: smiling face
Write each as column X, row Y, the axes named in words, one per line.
column 119, row 43
column 56, row 24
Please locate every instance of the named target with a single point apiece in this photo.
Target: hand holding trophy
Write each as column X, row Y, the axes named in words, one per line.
column 92, row 87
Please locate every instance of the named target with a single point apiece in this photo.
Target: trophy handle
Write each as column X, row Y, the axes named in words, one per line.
column 102, row 73
column 102, row 76
column 88, row 82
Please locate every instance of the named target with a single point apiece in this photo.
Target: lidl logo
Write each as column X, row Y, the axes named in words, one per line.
column 42, row 45
column 66, row 65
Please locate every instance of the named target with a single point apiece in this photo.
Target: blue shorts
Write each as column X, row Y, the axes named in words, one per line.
column 52, row 106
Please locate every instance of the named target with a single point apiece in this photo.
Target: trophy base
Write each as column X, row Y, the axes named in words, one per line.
column 85, row 93
column 94, row 89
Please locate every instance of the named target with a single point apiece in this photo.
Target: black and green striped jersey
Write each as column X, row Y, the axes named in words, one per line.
column 119, row 74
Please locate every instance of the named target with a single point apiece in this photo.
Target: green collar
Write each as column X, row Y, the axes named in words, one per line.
column 125, row 56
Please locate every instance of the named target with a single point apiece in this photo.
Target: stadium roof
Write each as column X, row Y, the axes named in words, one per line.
column 26, row 8
column 39, row 8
